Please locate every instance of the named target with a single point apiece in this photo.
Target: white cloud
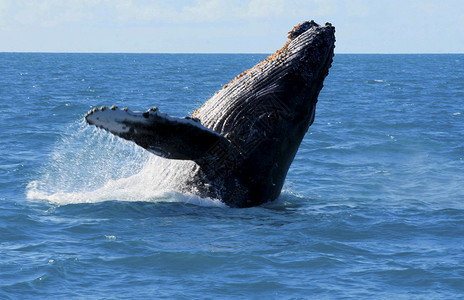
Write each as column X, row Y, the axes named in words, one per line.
column 265, row 8
column 47, row 13
column 362, row 26
column 130, row 11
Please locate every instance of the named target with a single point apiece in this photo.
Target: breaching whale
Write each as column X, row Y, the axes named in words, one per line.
column 243, row 140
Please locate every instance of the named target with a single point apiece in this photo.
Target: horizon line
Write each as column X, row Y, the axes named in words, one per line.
column 227, row 53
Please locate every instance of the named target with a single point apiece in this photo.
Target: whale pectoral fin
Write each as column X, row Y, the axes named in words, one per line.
column 169, row 137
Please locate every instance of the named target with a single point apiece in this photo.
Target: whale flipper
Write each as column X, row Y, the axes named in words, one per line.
column 163, row 135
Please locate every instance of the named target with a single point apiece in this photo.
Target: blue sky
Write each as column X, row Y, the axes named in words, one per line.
column 248, row 26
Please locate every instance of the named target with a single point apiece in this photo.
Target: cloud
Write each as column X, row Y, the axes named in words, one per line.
column 362, row 26
column 47, row 13
column 265, row 8
column 215, row 25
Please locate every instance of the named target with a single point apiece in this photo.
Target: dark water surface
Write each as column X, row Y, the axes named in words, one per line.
column 373, row 205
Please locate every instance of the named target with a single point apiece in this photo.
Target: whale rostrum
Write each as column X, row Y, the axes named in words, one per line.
column 245, row 137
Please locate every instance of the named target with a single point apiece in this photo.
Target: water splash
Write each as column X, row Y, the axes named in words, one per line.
column 89, row 165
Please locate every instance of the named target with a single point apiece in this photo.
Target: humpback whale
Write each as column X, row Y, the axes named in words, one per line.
column 244, row 138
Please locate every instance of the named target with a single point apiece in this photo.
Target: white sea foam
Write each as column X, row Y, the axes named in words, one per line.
column 90, row 165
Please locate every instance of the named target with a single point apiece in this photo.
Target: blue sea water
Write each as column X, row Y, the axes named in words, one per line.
column 372, row 207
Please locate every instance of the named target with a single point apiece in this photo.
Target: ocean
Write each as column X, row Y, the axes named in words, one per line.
column 372, row 206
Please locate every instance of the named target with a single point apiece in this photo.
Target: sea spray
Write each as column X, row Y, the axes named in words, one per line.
column 89, row 165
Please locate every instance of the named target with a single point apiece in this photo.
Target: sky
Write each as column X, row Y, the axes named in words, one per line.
column 227, row 26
